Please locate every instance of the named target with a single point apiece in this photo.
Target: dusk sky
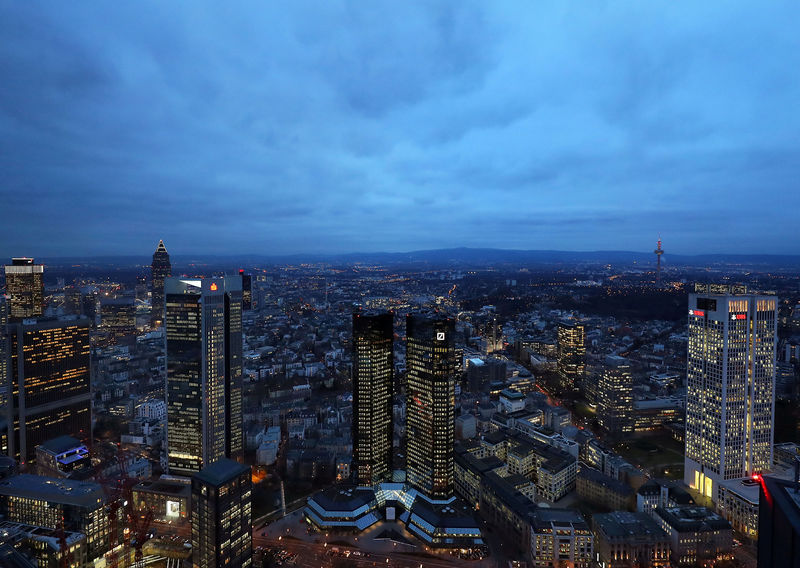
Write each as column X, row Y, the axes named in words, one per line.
column 285, row 127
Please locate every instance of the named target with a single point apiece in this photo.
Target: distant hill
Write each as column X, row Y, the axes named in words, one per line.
column 456, row 257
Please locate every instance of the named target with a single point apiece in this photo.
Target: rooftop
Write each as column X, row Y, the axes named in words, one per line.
column 221, row 471
column 53, row 490
column 692, row 518
column 620, row 525
column 61, row 444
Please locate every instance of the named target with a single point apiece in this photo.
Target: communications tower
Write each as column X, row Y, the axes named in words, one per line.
column 659, row 251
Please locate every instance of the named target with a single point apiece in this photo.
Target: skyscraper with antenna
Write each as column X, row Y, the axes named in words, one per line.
column 659, row 251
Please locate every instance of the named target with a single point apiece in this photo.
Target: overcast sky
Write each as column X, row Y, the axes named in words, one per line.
column 283, row 127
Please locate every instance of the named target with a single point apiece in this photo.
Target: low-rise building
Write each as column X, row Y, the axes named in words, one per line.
column 625, row 540
column 737, row 501
column 169, row 499
column 560, row 537
column 697, row 534
column 64, row 456
column 604, row 491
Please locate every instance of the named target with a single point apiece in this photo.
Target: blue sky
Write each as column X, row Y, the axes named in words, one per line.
column 284, row 127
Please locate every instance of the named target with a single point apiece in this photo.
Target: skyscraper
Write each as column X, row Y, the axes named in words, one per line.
column 160, row 269
column 615, row 396
column 247, row 290
column 730, row 385
column 222, row 516
column 24, row 288
column 48, row 383
column 4, row 380
column 571, row 353
column 430, row 402
column 373, row 374
column 204, row 372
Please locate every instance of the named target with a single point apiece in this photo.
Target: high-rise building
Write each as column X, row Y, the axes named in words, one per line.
column 118, row 316
column 48, row 383
column 25, row 288
column 204, row 372
column 221, row 516
column 571, row 353
column 430, row 402
column 615, row 396
column 160, row 269
column 779, row 522
column 730, row 386
column 4, row 374
column 373, row 382
column 247, row 290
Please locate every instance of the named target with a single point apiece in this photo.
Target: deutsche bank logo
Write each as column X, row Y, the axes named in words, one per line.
column 439, row 336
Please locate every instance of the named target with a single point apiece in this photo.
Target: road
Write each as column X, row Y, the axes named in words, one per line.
column 313, row 555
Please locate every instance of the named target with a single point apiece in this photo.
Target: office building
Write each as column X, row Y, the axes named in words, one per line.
column 730, row 386
column 118, row 316
column 161, row 269
column 50, row 502
column 779, row 523
column 204, row 372
column 615, row 397
column 430, row 404
column 560, row 537
column 627, row 540
column 25, row 288
column 221, row 515
column 49, row 383
column 247, row 290
column 571, row 354
column 373, row 387
column 5, row 386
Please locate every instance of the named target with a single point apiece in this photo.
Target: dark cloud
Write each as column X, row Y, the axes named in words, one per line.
column 343, row 126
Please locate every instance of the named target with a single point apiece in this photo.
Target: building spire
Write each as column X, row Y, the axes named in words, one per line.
column 161, row 247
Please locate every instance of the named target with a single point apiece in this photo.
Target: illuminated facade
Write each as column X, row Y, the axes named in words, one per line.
column 615, row 397
column 222, row 516
column 430, row 403
column 24, row 288
column 118, row 316
column 730, row 386
column 571, row 353
column 161, row 269
column 373, row 385
column 204, row 372
column 48, row 383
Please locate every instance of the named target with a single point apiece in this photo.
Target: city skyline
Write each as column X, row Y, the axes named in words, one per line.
column 442, row 126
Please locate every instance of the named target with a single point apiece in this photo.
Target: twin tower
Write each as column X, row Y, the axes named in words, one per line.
column 430, row 401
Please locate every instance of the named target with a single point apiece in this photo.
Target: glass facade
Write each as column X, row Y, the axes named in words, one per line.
column 161, row 269
column 571, row 353
column 25, row 288
column 373, row 383
column 49, row 391
column 204, row 372
column 222, row 516
column 430, row 391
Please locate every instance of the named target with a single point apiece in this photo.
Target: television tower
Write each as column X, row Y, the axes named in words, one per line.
column 659, row 251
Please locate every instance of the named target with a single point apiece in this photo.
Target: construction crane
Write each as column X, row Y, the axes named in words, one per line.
column 119, row 493
column 66, row 557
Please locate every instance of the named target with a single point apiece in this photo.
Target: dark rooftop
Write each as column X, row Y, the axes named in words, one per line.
column 53, row 490
column 221, row 471
column 61, row 444
column 624, row 525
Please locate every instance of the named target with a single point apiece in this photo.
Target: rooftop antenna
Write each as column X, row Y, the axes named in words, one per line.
column 659, row 251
